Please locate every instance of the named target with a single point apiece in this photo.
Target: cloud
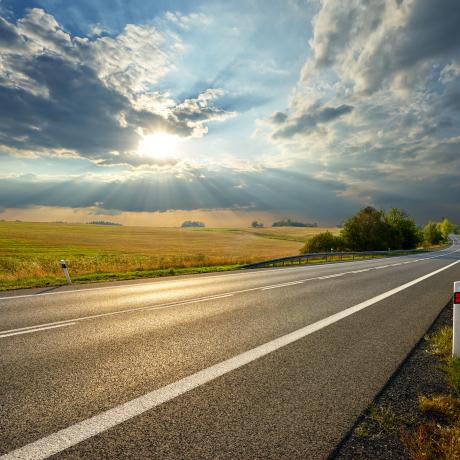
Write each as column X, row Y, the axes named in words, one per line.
column 377, row 105
column 97, row 211
column 68, row 95
column 383, row 42
column 328, row 199
column 287, row 192
column 307, row 122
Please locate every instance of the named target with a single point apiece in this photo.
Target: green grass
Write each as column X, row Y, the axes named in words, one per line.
column 439, row 440
column 440, row 344
column 30, row 252
column 110, row 276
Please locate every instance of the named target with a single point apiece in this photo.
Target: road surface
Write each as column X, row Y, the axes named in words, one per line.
column 271, row 363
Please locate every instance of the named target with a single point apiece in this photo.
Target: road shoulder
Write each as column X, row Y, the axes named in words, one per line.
column 395, row 410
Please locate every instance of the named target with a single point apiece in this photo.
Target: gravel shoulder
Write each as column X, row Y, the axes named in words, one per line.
column 376, row 433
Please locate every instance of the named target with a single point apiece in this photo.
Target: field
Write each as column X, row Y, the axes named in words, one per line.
column 30, row 252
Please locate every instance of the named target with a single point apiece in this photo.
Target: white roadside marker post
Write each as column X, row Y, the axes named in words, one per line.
column 66, row 272
column 456, row 321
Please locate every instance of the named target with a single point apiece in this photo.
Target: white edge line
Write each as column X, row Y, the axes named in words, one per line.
column 210, row 275
column 192, row 301
column 74, row 434
column 36, row 329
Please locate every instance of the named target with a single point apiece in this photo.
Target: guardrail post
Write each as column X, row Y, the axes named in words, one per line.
column 66, row 272
column 456, row 322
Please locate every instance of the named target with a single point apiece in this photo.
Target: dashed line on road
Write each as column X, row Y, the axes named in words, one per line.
column 38, row 327
column 205, row 276
column 74, row 434
column 34, row 329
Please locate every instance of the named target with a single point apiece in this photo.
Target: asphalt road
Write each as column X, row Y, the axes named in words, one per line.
column 273, row 363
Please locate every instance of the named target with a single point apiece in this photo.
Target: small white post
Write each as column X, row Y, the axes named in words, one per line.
column 66, row 272
column 456, row 322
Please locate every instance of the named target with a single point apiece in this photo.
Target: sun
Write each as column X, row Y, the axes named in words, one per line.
column 159, row 145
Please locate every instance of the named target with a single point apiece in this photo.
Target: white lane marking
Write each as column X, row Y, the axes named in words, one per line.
column 34, row 329
column 192, row 301
column 74, row 434
column 206, row 276
column 291, row 283
column 113, row 313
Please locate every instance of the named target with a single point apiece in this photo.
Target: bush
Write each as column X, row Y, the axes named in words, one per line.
column 446, row 228
column 432, row 234
column 323, row 242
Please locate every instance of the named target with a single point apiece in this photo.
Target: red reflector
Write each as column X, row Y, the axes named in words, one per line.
column 457, row 297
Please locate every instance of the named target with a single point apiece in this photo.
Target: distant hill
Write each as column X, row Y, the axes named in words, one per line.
column 103, row 222
column 291, row 223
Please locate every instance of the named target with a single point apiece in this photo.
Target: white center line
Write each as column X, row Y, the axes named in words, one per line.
column 44, row 326
column 35, row 329
column 74, row 434
column 7, row 333
column 137, row 285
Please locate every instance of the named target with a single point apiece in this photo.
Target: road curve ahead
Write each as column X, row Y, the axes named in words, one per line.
column 273, row 363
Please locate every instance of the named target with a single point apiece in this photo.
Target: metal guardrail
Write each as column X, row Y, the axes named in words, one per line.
column 336, row 256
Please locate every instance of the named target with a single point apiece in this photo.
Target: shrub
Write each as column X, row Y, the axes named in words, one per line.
column 323, row 242
column 431, row 233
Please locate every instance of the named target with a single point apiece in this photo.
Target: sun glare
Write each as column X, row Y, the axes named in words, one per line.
column 158, row 145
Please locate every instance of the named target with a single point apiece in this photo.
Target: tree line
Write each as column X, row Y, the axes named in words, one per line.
column 284, row 223
column 376, row 230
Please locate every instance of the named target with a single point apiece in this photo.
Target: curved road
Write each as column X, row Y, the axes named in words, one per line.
column 271, row 363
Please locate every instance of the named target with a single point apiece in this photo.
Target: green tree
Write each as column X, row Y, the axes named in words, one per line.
column 255, row 224
column 431, row 233
column 367, row 230
column 402, row 232
column 323, row 242
column 446, row 228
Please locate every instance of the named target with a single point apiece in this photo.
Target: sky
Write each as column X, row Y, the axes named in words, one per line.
column 155, row 112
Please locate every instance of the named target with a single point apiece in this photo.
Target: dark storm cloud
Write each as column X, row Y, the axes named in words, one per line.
column 8, row 35
column 79, row 114
column 308, row 121
column 410, row 35
column 442, row 193
column 267, row 190
column 432, row 31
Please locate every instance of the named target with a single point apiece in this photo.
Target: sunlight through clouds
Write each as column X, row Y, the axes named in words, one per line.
column 317, row 107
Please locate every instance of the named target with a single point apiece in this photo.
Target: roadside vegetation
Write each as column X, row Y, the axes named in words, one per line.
column 438, row 436
column 375, row 230
column 30, row 252
column 416, row 416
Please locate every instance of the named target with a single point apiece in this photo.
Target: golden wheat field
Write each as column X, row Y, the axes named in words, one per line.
column 30, row 252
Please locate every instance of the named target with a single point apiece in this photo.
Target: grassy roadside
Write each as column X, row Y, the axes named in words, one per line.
column 417, row 414
column 437, row 435
column 30, row 252
column 46, row 281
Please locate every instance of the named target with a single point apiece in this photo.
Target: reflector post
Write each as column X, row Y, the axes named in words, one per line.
column 456, row 322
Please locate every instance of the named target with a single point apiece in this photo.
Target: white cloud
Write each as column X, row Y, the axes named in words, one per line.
column 377, row 105
column 90, row 96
